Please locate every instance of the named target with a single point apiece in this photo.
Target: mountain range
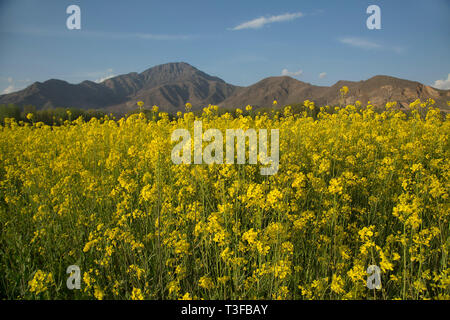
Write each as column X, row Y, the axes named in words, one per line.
column 171, row 85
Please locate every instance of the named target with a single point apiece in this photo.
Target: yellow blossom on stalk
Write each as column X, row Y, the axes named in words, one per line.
column 98, row 293
column 309, row 104
column 136, row 270
column 262, row 249
column 88, row 280
column 186, row 296
column 366, row 233
column 223, row 280
column 393, row 278
column 344, row 90
column 337, row 284
column 182, row 247
column 282, row 293
column 136, row 294
column 282, row 269
column 40, row 282
column 173, row 287
column 414, row 104
column 155, row 109
column 226, row 254
column 250, row 236
column 357, row 273
column 205, row 282
column 385, row 264
column 335, row 186
column 274, row 197
column 188, row 106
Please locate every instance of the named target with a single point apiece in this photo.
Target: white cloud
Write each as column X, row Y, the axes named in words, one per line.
column 322, row 75
column 261, row 21
column 286, row 72
column 360, row 43
column 104, row 78
column 443, row 84
column 369, row 45
column 9, row 89
column 109, row 75
column 14, row 84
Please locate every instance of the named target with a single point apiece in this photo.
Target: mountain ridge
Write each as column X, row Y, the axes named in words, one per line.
column 171, row 85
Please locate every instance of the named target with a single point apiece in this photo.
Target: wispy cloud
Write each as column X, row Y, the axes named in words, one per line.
column 443, row 84
column 105, row 78
column 12, row 87
column 262, row 21
column 107, row 75
column 96, row 76
column 286, row 72
column 322, row 75
column 360, row 43
column 369, row 44
column 9, row 89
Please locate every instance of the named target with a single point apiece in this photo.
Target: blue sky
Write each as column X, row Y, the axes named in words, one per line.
column 318, row 41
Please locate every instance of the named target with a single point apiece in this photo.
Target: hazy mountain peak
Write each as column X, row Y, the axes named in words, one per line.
column 174, row 71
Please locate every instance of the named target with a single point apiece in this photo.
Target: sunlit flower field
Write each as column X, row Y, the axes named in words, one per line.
column 354, row 188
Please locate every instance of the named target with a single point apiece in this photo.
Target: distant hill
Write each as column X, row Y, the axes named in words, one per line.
column 378, row 90
column 171, row 85
column 285, row 90
column 57, row 93
column 381, row 89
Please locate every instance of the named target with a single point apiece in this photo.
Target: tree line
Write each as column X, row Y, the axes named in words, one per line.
column 52, row 116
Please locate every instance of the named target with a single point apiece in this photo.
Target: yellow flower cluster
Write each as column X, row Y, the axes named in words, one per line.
column 354, row 188
column 41, row 282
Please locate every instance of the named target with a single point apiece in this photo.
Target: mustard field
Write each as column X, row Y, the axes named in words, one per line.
column 354, row 188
